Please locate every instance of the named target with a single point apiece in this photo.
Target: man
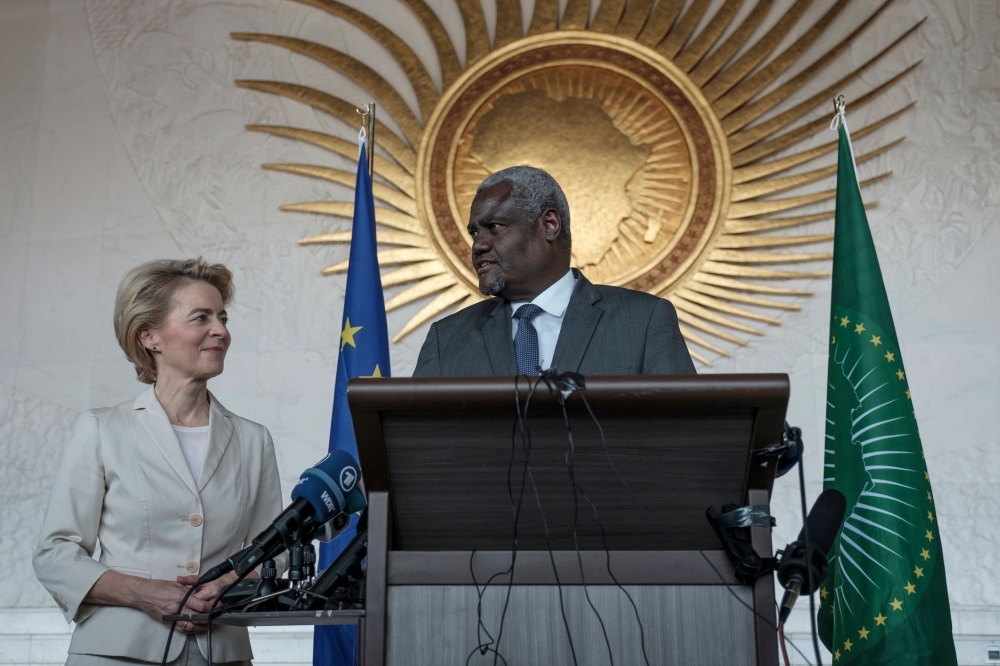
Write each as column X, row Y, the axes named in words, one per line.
column 545, row 313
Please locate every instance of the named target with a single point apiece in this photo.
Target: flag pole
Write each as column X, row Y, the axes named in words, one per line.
column 367, row 113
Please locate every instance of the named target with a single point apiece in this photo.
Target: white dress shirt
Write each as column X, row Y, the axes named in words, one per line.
column 554, row 302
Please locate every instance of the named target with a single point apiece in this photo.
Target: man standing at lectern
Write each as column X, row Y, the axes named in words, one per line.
column 545, row 314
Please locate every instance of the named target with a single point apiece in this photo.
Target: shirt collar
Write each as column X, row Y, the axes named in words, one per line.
column 555, row 299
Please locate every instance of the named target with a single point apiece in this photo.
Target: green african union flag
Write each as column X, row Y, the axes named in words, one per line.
column 885, row 601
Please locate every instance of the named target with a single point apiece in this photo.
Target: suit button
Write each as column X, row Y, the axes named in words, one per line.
column 191, row 567
column 195, row 520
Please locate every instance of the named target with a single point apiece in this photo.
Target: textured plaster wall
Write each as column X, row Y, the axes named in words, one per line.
column 121, row 140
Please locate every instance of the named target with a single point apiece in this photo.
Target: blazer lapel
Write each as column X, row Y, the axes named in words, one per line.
column 578, row 326
column 154, row 420
column 220, row 433
column 495, row 329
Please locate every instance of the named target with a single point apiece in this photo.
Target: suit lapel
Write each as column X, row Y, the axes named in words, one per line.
column 499, row 342
column 154, row 420
column 220, row 433
column 578, row 326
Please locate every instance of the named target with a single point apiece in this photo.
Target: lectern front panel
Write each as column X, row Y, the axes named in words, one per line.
column 435, row 625
column 453, row 492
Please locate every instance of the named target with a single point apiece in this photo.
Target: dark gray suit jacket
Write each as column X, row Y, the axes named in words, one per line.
column 607, row 331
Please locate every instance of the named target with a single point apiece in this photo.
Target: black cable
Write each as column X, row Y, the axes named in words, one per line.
column 570, row 466
column 218, row 610
column 722, row 579
column 607, row 564
column 809, row 552
column 545, row 525
column 482, row 647
column 173, row 625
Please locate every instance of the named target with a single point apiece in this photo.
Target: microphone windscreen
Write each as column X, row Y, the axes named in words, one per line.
column 331, row 486
column 824, row 519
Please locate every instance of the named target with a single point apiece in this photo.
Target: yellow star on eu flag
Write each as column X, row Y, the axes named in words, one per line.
column 880, row 620
column 844, row 321
column 376, row 374
column 926, row 554
column 836, row 655
column 848, row 644
column 901, row 375
column 864, row 633
column 918, row 572
column 929, row 536
column 823, row 593
column 876, row 340
column 896, row 604
column 859, row 329
column 889, row 356
column 910, row 588
column 347, row 335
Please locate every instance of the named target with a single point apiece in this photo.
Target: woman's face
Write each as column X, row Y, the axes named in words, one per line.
column 193, row 340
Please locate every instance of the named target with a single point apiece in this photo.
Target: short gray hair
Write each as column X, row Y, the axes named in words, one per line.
column 534, row 191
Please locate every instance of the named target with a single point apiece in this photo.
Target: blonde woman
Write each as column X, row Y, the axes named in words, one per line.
column 167, row 484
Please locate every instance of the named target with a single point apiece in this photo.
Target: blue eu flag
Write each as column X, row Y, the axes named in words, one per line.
column 364, row 352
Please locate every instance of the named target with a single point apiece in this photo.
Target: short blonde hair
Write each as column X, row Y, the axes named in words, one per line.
column 145, row 296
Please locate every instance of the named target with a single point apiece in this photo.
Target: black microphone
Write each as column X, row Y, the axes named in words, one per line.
column 796, row 573
column 324, row 492
column 345, row 570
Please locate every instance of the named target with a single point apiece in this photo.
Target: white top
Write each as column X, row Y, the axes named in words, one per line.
column 194, row 445
column 554, row 302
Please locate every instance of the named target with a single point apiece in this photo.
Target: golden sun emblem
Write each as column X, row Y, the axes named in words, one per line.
column 668, row 141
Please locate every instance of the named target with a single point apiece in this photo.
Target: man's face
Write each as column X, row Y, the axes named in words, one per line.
column 509, row 253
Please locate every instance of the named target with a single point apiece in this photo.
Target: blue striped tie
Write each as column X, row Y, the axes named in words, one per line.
column 526, row 340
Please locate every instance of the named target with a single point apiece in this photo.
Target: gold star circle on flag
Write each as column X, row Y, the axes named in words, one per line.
column 918, row 572
column 880, row 620
column 896, row 604
column 910, row 588
column 859, row 329
column 864, row 633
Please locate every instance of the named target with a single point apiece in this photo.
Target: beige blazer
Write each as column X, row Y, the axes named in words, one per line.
column 123, row 483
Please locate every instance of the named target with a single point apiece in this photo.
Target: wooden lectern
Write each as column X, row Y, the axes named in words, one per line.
column 442, row 460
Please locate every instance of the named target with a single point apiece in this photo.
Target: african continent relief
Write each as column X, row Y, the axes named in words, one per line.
column 674, row 146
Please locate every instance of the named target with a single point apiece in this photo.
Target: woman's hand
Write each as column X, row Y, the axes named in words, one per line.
column 155, row 598
column 208, row 592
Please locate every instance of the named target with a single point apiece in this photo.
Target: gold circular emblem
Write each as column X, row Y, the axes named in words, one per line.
column 679, row 143
column 635, row 146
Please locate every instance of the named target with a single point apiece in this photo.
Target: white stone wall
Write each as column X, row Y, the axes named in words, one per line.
column 121, row 140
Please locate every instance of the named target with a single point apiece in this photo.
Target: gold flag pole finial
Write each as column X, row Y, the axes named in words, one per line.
column 367, row 113
column 839, row 112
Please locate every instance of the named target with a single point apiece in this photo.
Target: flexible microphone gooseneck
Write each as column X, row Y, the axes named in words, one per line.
column 803, row 565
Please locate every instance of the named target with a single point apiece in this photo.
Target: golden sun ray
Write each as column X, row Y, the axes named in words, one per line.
column 662, row 220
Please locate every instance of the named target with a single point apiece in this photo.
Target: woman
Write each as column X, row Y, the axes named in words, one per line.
column 169, row 484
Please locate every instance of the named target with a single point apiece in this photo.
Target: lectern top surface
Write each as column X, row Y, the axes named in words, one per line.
column 460, row 465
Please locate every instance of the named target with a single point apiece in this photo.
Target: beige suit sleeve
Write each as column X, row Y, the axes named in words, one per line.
column 63, row 559
column 268, row 504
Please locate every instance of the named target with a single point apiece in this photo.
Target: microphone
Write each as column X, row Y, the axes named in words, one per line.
column 324, row 492
column 796, row 573
column 345, row 570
